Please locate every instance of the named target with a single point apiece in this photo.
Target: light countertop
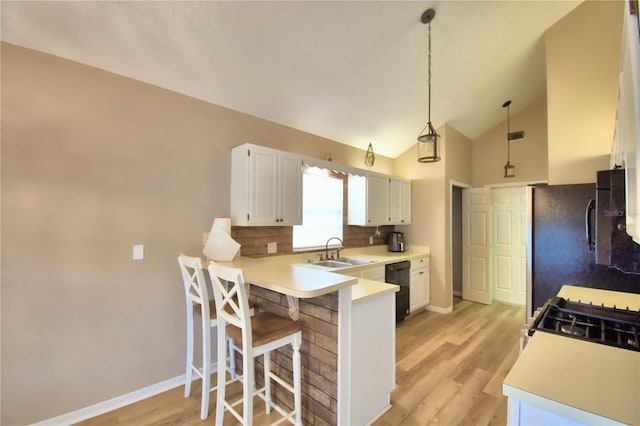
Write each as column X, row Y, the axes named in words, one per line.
column 290, row 280
column 368, row 288
column 586, row 381
column 292, row 275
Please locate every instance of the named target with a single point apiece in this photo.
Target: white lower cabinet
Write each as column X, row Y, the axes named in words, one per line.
column 419, row 291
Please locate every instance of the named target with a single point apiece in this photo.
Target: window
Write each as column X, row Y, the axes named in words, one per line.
column 321, row 209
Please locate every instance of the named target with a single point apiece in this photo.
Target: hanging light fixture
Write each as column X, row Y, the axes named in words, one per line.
column 509, row 169
column 369, row 157
column 428, row 139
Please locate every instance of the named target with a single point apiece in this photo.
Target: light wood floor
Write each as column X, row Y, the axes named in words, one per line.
column 449, row 371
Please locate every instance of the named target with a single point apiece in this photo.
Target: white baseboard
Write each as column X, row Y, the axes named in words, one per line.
column 117, row 402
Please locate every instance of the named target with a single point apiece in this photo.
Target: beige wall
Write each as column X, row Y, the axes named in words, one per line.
column 431, row 206
column 583, row 63
column 529, row 155
column 93, row 163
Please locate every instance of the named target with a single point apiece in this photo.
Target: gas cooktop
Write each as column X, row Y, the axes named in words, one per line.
column 619, row 327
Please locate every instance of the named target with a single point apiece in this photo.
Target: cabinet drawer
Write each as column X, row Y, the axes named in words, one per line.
column 420, row 263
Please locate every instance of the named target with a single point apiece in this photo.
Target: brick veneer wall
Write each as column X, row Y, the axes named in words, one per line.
column 319, row 354
column 254, row 239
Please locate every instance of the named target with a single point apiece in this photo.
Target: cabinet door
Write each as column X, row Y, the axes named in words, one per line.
column 263, row 186
column 406, row 203
column 290, row 190
column 419, row 292
column 399, row 201
column 414, row 292
column 395, row 201
column 377, row 200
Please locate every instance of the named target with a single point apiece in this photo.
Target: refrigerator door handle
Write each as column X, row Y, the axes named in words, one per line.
column 591, row 207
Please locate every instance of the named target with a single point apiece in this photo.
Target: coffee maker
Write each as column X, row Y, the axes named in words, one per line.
column 396, row 242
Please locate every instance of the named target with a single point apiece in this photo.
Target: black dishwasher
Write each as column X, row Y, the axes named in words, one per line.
column 399, row 273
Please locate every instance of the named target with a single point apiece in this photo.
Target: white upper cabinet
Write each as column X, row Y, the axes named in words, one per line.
column 626, row 144
column 266, row 187
column 376, row 199
column 400, row 201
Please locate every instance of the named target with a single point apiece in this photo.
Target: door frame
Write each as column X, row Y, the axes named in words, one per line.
column 462, row 185
column 529, row 231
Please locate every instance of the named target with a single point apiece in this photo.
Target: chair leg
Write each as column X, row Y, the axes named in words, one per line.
column 248, row 385
column 206, row 369
column 267, row 382
column 189, row 371
column 297, row 383
column 232, row 359
column 222, row 374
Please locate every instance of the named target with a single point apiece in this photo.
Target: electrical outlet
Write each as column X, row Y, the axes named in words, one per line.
column 138, row 252
column 272, row 247
column 371, row 240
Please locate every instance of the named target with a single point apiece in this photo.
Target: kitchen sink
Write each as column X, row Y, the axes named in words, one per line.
column 331, row 263
column 341, row 262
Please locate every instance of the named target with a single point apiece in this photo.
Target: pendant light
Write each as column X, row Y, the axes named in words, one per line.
column 428, row 149
column 509, row 169
column 369, row 157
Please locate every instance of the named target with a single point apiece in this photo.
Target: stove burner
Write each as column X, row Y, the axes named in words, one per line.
column 573, row 330
column 609, row 326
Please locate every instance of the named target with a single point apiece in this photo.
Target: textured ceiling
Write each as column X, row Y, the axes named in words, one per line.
column 351, row 71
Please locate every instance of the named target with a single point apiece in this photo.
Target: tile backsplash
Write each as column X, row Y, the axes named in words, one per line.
column 254, row 239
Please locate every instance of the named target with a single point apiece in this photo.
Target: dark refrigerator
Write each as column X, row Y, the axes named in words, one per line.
column 577, row 238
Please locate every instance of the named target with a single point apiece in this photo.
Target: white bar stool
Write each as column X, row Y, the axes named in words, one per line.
column 198, row 303
column 259, row 335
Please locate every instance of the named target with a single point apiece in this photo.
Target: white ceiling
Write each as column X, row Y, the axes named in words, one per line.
column 351, row 71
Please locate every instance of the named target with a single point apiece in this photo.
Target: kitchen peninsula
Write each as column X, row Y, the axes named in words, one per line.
column 342, row 317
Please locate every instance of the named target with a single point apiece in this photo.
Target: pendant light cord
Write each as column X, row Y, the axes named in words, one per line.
column 507, row 105
column 508, row 129
column 429, row 69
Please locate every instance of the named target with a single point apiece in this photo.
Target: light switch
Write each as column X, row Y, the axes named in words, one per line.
column 205, row 237
column 138, row 252
column 272, row 247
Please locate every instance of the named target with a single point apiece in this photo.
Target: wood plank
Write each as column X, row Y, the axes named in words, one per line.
column 450, row 370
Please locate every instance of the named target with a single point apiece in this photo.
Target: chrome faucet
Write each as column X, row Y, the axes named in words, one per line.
column 326, row 247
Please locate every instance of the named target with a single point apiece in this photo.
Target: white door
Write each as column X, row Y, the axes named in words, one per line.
column 509, row 244
column 476, row 283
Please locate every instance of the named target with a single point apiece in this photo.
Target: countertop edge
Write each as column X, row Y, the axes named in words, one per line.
column 366, row 289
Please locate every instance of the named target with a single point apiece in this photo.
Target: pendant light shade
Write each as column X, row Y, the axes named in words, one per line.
column 428, row 144
column 369, row 157
column 428, row 140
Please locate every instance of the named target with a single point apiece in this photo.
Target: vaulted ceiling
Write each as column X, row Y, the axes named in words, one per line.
column 351, row 71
